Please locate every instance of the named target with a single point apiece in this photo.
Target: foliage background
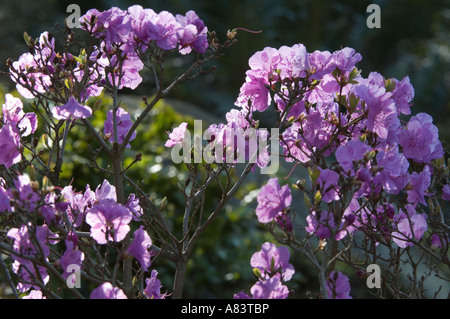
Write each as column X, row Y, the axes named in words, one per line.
column 413, row 40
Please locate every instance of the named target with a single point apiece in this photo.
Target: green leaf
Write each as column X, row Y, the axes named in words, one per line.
column 163, row 203
column 78, row 59
column 371, row 155
column 353, row 102
column 317, row 197
column 67, row 83
column 389, row 84
column 314, row 173
column 257, row 273
column 307, row 200
column 353, row 74
column 26, row 37
column 272, row 265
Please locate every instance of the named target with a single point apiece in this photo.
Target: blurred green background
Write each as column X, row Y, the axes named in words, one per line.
column 414, row 40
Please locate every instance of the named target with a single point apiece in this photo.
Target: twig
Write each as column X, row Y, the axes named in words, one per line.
column 8, row 277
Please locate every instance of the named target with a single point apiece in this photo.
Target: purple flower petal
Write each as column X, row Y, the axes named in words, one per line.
column 71, row 109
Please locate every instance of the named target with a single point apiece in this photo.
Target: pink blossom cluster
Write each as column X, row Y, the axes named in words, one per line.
column 44, row 70
column 15, row 125
column 239, row 140
column 138, row 27
column 125, row 34
column 67, row 82
column 329, row 111
column 107, row 221
column 271, row 266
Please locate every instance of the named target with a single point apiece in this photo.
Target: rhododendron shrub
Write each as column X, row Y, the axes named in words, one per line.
column 99, row 223
column 375, row 182
column 371, row 175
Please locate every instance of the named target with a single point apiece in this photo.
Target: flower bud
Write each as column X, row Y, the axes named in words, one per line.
column 350, row 219
column 389, row 84
column 390, row 212
column 299, row 185
column 317, row 197
column 363, row 175
column 314, row 174
column 257, row 273
column 35, row 185
column 361, row 273
column 231, row 34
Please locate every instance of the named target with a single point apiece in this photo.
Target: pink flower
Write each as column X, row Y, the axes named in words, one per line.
column 419, row 184
column 346, row 59
column 13, row 113
column 446, row 192
column 133, row 205
column 129, row 71
column 271, row 259
column 420, row 139
column 436, row 241
column 264, row 63
column 123, row 122
column 164, row 30
column 328, row 180
column 177, row 135
column 27, row 197
column 410, row 226
column 105, row 191
column 301, row 140
column 354, row 150
column 140, row 17
column 139, row 247
column 294, row 61
column 23, row 244
column 338, row 286
column 403, row 94
column 71, row 109
column 272, row 288
column 74, row 210
column 111, row 25
column 9, row 146
column 5, row 205
column 192, row 34
column 321, row 63
column 153, row 288
column 34, row 294
column 107, row 291
column 72, row 256
column 35, row 68
column 320, row 224
column 254, row 90
column 272, row 199
column 241, row 295
column 382, row 115
column 394, row 176
column 109, row 221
